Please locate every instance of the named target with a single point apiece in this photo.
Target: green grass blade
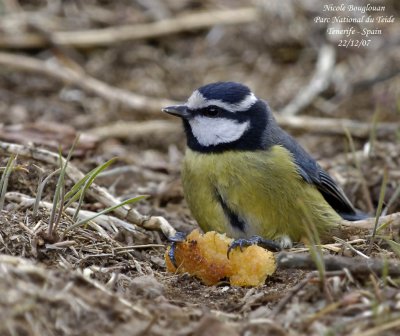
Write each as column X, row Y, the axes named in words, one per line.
column 84, row 221
column 72, row 195
column 394, row 197
column 56, row 197
column 314, row 241
column 364, row 184
column 88, row 183
column 60, row 208
column 60, row 185
column 372, row 133
column 394, row 246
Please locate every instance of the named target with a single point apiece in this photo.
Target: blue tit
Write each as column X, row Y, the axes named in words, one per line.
column 244, row 176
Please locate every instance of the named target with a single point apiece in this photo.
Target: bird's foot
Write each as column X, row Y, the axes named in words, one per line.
column 174, row 240
column 254, row 240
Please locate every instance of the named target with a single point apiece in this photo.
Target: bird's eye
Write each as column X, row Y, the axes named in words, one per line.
column 211, row 111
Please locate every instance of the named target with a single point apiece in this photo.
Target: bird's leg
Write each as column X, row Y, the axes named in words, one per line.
column 254, row 240
column 177, row 238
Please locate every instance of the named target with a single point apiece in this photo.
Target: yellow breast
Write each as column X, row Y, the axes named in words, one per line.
column 261, row 188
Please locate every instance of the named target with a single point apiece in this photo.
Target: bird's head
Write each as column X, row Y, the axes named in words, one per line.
column 223, row 116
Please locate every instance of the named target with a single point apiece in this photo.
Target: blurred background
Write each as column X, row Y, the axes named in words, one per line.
column 104, row 69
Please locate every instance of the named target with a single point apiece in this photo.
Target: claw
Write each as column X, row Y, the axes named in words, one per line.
column 171, row 254
column 177, row 238
column 254, row 240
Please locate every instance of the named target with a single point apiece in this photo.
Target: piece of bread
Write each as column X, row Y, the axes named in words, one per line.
column 205, row 256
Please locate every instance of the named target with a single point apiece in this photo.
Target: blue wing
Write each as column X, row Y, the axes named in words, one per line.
column 312, row 173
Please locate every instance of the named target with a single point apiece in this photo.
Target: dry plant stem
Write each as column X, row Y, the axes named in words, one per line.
column 318, row 83
column 369, row 223
column 331, row 126
column 363, row 228
column 292, row 293
column 103, row 220
column 364, row 185
column 325, row 126
column 138, row 130
column 148, row 105
column 100, row 194
column 74, row 77
column 359, row 266
column 112, row 35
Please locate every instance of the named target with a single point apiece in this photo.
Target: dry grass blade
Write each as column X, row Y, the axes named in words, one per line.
column 391, row 201
column 380, row 329
column 84, row 221
column 59, row 192
column 314, row 242
column 367, row 196
column 4, row 178
column 379, row 209
column 40, row 189
column 351, row 247
column 372, row 134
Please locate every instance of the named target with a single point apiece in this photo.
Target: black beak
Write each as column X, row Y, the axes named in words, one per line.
column 177, row 110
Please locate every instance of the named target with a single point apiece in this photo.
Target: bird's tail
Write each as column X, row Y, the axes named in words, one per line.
column 358, row 215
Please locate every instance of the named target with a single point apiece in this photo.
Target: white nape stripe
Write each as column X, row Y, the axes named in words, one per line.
column 214, row 131
column 198, row 101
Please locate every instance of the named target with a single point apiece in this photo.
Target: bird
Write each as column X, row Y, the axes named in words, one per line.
column 244, row 176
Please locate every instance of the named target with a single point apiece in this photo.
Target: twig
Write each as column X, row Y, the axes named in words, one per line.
column 74, row 77
column 334, row 247
column 148, row 105
column 139, row 130
column 351, row 247
column 113, row 35
column 318, row 83
column 332, row 126
column 359, row 266
column 293, row 291
column 173, row 129
column 368, row 224
column 98, row 193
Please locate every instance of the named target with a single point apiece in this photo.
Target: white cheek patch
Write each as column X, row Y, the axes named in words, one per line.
column 198, row 101
column 214, row 131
